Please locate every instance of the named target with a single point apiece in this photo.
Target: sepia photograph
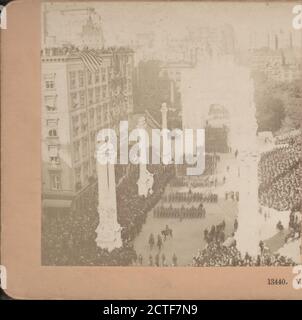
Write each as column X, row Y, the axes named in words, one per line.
column 171, row 134
column 151, row 151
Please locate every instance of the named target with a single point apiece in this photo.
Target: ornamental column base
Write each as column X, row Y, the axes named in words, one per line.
column 108, row 234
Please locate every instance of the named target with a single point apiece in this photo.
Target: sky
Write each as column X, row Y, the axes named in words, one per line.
column 121, row 21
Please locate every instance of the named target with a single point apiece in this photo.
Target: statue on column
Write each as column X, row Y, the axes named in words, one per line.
column 108, row 231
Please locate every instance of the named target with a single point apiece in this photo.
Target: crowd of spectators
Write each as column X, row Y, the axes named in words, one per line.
column 132, row 209
column 284, row 193
column 222, row 251
column 216, row 233
column 218, row 255
column 68, row 235
column 279, row 161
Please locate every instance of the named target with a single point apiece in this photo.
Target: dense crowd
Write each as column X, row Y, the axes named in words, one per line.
column 280, row 176
column 216, row 233
column 288, row 138
column 132, row 209
column 157, row 260
column 181, row 213
column 220, row 252
column 279, row 161
column 294, row 226
column 284, row 193
column 68, row 236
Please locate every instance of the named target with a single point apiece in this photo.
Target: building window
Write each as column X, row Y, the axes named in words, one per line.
column 99, row 114
column 86, row 171
column 75, row 125
column 92, row 141
column 50, row 103
column 49, row 81
column 82, row 99
column 84, row 147
column 52, row 133
column 81, row 79
column 53, row 150
column 76, row 131
column 84, row 122
column 91, row 115
column 54, row 160
column 104, row 91
column 103, row 74
column 97, row 94
column 75, row 120
column 109, row 70
column 50, row 108
column 49, row 84
column 76, row 146
column 129, row 86
column 90, row 96
column 72, row 79
column 93, row 166
column 55, row 180
column 105, row 113
column 52, row 122
column 78, row 175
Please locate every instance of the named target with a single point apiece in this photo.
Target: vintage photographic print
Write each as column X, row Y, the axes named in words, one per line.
column 171, row 134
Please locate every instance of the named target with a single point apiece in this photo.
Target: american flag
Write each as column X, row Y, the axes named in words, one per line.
column 91, row 60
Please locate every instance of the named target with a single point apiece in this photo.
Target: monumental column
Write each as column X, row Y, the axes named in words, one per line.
column 145, row 181
column 108, row 230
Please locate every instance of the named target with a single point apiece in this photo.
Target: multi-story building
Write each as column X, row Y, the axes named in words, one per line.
column 277, row 65
column 275, row 39
column 76, row 104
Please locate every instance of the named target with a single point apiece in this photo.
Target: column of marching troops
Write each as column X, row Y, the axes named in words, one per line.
column 191, row 197
column 180, row 213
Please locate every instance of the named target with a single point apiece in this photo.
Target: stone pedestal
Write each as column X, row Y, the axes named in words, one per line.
column 108, row 230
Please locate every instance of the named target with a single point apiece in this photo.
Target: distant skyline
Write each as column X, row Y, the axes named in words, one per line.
column 121, row 21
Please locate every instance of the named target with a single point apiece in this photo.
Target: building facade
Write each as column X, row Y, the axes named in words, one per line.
column 76, row 104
